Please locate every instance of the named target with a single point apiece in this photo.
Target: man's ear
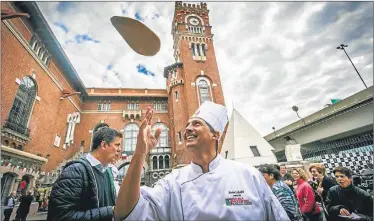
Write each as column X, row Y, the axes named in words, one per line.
column 102, row 144
column 216, row 135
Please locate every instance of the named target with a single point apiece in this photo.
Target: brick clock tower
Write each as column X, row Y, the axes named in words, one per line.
column 194, row 77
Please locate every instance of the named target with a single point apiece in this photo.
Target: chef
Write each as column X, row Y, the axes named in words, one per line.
column 209, row 188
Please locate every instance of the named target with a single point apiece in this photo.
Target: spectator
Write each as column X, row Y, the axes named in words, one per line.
column 305, row 196
column 324, row 183
column 283, row 193
column 24, row 206
column 346, row 200
column 9, row 204
column 86, row 189
column 286, row 177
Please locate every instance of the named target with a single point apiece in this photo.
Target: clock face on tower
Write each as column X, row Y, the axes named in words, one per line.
column 194, row 21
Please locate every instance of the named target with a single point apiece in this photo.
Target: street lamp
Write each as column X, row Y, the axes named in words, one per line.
column 296, row 109
column 341, row 47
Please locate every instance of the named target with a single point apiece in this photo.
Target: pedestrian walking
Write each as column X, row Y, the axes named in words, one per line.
column 209, row 188
column 9, row 204
column 24, row 206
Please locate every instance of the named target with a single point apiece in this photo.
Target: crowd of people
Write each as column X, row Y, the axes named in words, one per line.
column 319, row 198
column 209, row 188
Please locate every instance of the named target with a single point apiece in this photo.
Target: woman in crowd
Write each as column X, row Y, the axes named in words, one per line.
column 281, row 190
column 324, row 183
column 305, row 196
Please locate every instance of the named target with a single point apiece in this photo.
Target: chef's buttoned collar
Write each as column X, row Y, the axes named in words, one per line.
column 212, row 165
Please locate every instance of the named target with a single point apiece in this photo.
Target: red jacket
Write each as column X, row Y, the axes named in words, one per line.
column 305, row 196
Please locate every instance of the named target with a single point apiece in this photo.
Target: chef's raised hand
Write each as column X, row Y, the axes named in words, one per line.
column 145, row 140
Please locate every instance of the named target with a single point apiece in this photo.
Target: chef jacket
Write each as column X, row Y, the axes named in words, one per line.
column 229, row 191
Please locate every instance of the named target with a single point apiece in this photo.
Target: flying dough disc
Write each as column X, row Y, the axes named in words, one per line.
column 137, row 35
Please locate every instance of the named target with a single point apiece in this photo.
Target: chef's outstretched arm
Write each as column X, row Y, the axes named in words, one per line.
column 129, row 192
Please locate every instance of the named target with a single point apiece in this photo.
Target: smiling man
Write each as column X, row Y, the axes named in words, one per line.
column 209, row 188
column 86, row 189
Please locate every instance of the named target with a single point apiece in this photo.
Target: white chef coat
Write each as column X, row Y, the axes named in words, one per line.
column 229, row 191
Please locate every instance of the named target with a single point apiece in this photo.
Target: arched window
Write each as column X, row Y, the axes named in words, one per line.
column 198, row 49
column 164, row 138
column 193, row 49
column 154, row 162
column 204, row 91
column 167, row 160
column 130, row 135
column 161, row 162
column 203, row 49
column 22, row 105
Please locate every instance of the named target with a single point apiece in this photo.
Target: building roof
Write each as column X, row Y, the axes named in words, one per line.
column 42, row 29
column 170, row 67
column 352, row 102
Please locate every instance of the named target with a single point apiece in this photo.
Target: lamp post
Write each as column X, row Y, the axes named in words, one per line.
column 296, row 109
column 341, row 47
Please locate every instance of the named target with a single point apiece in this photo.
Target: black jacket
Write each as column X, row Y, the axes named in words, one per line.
column 327, row 183
column 24, row 206
column 352, row 199
column 74, row 195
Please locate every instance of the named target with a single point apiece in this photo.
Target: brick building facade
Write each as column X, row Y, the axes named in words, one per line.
column 42, row 128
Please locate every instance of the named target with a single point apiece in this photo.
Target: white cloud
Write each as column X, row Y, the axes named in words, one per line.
column 270, row 55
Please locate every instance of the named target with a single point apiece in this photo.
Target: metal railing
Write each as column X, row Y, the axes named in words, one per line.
column 17, row 127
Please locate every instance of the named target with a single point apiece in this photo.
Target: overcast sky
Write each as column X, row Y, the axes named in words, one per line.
column 270, row 56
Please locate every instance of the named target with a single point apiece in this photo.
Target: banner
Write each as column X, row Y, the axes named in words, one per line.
column 293, row 153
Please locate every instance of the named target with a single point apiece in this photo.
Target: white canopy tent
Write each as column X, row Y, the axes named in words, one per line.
column 244, row 144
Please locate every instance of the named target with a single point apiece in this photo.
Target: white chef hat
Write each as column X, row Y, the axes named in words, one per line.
column 214, row 114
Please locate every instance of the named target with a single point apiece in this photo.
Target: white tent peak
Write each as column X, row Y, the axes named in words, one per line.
column 242, row 141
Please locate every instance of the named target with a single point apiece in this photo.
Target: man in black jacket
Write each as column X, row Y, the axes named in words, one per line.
column 345, row 201
column 86, row 188
column 24, row 206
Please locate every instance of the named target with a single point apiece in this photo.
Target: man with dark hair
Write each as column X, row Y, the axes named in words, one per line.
column 99, row 126
column 86, row 189
column 283, row 193
column 286, row 177
column 209, row 188
column 346, row 201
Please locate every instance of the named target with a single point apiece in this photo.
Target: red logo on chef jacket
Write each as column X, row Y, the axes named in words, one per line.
column 237, row 201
